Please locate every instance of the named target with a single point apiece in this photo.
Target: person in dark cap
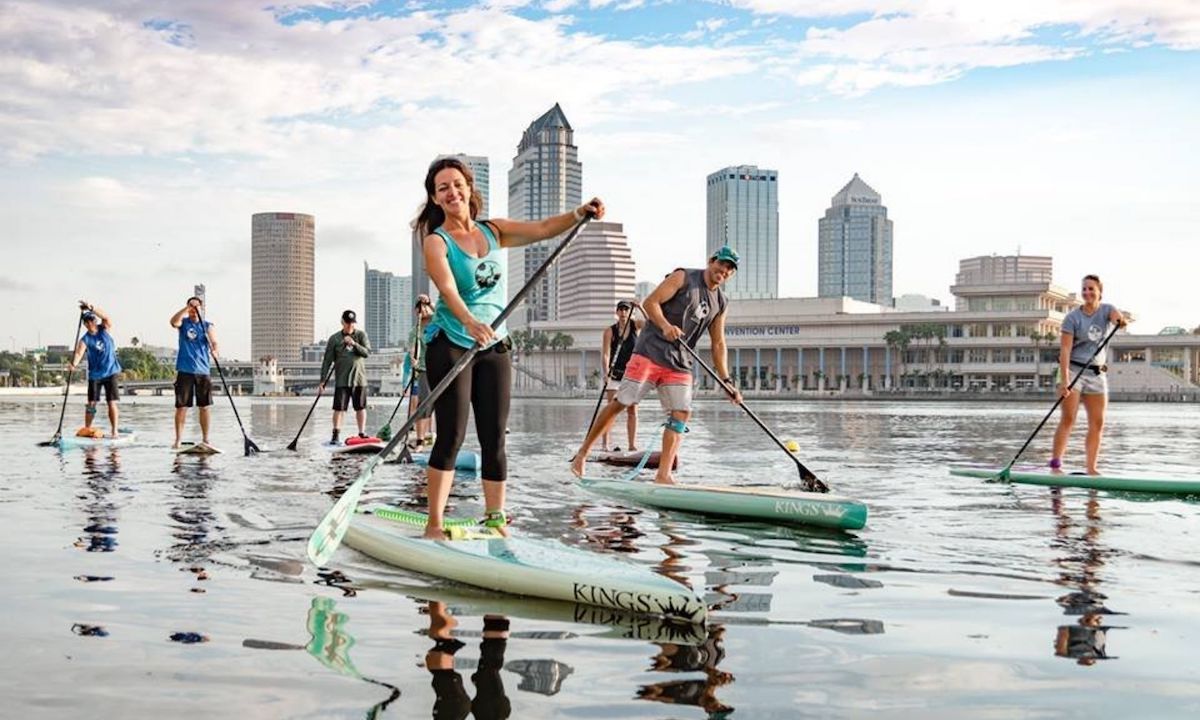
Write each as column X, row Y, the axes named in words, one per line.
column 347, row 351
column 103, row 367
column 681, row 309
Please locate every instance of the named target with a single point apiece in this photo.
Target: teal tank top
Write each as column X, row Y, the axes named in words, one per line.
column 481, row 284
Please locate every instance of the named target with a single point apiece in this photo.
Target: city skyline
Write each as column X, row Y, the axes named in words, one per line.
column 1062, row 124
column 386, row 313
column 854, row 246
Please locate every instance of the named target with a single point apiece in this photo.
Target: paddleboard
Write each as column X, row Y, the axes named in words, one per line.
column 1043, row 476
column 196, row 448
column 128, row 437
column 363, row 448
column 467, row 460
column 630, row 459
column 773, row 504
column 527, row 566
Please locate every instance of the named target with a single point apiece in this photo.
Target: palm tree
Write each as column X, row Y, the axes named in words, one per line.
column 898, row 340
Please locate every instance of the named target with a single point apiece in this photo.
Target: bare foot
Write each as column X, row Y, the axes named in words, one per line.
column 1093, row 471
column 578, row 465
column 176, row 446
column 667, row 479
column 434, row 533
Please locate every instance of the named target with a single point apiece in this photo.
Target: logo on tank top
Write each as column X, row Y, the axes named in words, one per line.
column 487, row 274
column 702, row 310
column 100, row 345
column 1095, row 333
column 192, row 334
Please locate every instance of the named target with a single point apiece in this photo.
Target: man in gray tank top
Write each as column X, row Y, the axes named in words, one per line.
column 680, row 310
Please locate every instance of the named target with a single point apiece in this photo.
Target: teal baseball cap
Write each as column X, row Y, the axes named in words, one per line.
column 727, row 254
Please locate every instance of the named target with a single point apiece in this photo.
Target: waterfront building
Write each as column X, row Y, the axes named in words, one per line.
column 281, row 284
column 643, row 289
column 313, row 352
column 743, row 213
column 546, row 179
column 854, row 246
column 387, row 307
column 911, row 302
column 597, row 272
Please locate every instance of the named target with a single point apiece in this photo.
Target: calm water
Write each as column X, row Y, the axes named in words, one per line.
column 140, row 584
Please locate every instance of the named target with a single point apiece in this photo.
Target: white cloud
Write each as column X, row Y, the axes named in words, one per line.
column 105, row 193
column 557, row 6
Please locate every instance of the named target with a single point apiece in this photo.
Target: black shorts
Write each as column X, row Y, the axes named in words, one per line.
column 191, row 387
column 343, row 396
column 110, row 389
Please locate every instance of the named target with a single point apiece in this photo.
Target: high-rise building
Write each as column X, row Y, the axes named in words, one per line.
column 546, row 179
column 643, row 289
column 199, row 291
column 481, row 169
column 743, row 213
column 854, row 253
column 387, row 307
column 597, row 272
column 281, row 284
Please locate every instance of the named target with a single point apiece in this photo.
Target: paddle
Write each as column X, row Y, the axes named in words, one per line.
column 385, row 432
column 612, row 362
column 67, row 391
column 249, row 445
column 1004, row 474
column 320, row 389
column 810, row 481
column 332, row 528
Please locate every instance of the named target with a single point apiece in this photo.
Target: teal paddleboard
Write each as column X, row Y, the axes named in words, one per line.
column 525, row 566
column 1042, row 476
column 757, row 503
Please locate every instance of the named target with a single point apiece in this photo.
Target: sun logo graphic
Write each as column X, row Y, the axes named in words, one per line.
column 701, row 311
column 192, row 334
column 1094, row 333
column 100, row 345
column 487, row 274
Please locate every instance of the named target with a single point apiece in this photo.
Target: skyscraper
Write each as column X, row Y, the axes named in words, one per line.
column 481, row 169
column 546, row 179
column 597, row 271
column 387, row 307
column 281, row 284
column 854, row 254
column 743, row 212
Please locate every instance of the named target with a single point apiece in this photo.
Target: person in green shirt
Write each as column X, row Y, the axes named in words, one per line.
column 416, row 350
column 347, row 351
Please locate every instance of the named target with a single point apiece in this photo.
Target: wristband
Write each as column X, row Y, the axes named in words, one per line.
column 578, row 214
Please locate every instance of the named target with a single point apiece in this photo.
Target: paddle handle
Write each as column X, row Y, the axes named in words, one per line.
column 1061, row 397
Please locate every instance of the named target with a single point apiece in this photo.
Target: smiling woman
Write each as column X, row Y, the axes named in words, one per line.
column 467, row 262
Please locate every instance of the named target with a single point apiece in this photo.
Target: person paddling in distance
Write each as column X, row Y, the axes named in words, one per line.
column 1083, row 329
column 423, row 312
column 347, row 351
column 467, row 262
column 103, row 367
column 193, row 382
column 680, row 310
column 617, row 347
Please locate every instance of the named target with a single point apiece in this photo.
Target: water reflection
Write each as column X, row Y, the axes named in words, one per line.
column 194, row 526
column 453, row 701
column 1079, row 569
column 101, row 473
column 699, row 692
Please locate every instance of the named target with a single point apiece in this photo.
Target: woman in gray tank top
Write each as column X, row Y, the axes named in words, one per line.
column 1083, row 330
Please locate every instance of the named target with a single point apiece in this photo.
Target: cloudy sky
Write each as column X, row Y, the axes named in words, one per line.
column 137, row 137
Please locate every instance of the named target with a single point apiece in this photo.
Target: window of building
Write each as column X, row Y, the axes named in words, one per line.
column 1024, row 355
column 978, row 355
column 1001, row 355
column 1002, row 330
column 978, row 330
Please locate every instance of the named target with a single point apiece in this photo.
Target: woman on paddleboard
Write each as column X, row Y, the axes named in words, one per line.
column 1083, row 332
column 467, row 262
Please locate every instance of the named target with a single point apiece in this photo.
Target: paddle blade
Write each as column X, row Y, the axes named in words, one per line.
column 328, row 535
column 1003, row 476
column 251, row 448
column 385, row 432
column 292, row 445
column 52, row 442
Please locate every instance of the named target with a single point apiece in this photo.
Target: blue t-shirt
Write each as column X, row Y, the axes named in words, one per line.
column 101, row 354
column 1087, row 332
column 481, row 285
column 193, row 347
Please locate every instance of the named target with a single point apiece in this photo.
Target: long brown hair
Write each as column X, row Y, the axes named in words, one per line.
column 432, row 216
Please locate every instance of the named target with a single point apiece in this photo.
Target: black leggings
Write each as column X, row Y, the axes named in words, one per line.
column 485, row 385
